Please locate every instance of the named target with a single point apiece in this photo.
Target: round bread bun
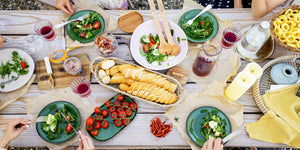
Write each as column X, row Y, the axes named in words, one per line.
column 129, row 20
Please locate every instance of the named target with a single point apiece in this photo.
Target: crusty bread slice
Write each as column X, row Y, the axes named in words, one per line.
column 152, row 93
column 130, row 89
column 160, row 81
column 117, row 79
column 168, row 97
column 148, row 77
column 137, row 88
column 167, row 85
column 101, row 73
column 125, row 66
column 173, row 99
column 147, row 92
column 157, row 94
column 136, row 74
column 123, row 87
column 139, row 75
column 113, row 70
column 172, row 88
column 143, row 89
column 106, row 64
column 106, row 79
column 127, row 72
column 129, row 81
column 162, row 98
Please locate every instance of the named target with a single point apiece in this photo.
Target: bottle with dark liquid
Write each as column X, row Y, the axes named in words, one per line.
column 206, row 58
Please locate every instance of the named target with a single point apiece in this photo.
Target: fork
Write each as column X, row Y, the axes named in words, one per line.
column 208, row 7
column 64, row 23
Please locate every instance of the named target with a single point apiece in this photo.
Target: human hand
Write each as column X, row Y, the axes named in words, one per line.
column 13, row 130
column 85, row 143
column 1, row 41
column 65, row 5
column 213, row 144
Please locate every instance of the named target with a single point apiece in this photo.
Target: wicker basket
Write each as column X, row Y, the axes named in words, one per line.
column 115, row 87
column 282, row 11
column 263, row 83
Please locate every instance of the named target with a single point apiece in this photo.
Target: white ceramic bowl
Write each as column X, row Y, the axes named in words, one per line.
column 145, row 29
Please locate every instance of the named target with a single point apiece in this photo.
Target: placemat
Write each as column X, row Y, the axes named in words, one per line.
column 212, row 96
column 34, row 106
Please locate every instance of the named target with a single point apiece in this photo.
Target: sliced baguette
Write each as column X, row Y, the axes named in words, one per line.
column 157, row 94
column 101, row 73
column 123, row 87
column 113, row 70
column 172, row 88
column 125, row 66
column 117, row 79
column 130, row 89
column 152, row 93
column 106, row 79
column 143, row 89
column 147, row 92
column 148, row 77
column 169, row 95
column 106, row 64
column 137, row 88
column 163, row 97
column 173, row 99
column 129, row 81
column 139, row 75
column 135, row 74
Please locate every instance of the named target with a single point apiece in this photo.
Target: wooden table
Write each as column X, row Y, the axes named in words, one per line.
column 137, row 134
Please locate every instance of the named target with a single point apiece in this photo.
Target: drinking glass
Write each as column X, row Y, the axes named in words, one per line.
column 45, row 29
column 82, row 87
column 230, row 36
column 206, row 58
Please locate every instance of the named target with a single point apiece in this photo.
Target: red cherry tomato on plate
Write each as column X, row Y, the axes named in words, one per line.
column 120, row 98
column 112, row 109
column 120, row 109
column 108, row 104
column 104, row 124
column 114, row 115
column 118, row 122
column 97, row 110
column 126, row 121
column 117, row 103
column 23, row 64
column 104, row 113
column 96, row 25
column 68, row 128
column 94, row 132
column 122, row 114
column 133, row 105
column 97, row 125
column 125, row 104
column 89, row 121
column 89, row 128
column 128, row 112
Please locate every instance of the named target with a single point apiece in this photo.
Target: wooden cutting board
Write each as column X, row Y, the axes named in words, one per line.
column 61, row 78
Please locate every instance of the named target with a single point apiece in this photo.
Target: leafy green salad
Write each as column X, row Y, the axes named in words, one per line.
column 150, row 49
column 202, row 27
column 213, row 127
column 16, row 64
column 52, row 127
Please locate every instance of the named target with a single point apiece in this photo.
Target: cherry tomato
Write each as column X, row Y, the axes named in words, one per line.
column 97, row 110
column 108, row 104
column 125, row 104
column 68, row 128
column 128, row 112
column 89, row 121
column 104, row 113
column 23, row 64
column 126, row 121
column 117, row 103
column 89, row 128
column 96, row 25
column 94, row 132
column 122, row 114
column 120, row 98
column 206, row 126
column 201, row 23
column 87, row 26
column 82, row 34
column 133, row 105
column 98, row 118
column 104, row 124
column 120, row 109
column 118, row 122
column 97, row 125
column 68, row 117
column 114, row 115
column 112, row 109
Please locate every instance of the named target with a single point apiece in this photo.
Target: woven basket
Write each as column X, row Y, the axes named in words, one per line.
column 282, row 11
column 115, row 87
column 263, row 83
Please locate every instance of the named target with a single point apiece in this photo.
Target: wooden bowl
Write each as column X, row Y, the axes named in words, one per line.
column 282, row 11
column 129, row 20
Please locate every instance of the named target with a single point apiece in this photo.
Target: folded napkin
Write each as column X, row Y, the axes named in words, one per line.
column 281, row 123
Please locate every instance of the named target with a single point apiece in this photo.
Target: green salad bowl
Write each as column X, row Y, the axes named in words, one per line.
column 193, row 123
column 50, row 109
column 76, row 36
column 190, row 15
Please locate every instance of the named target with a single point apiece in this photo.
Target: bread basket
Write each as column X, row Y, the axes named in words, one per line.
column 262, row 84
column 282, row 11
column 179, row 91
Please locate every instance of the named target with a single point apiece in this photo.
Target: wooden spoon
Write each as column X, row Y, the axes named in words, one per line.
column 175, row 47
column 164, row 47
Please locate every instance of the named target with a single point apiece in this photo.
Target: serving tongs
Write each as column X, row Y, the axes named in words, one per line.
column 49, row 71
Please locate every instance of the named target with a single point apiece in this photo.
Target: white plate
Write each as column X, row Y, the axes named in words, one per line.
column 145, row 29
column 6, row 55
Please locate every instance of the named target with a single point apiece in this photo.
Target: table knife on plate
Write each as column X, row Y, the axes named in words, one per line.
column 69, row 123
column 49, row 71
column 234, row 133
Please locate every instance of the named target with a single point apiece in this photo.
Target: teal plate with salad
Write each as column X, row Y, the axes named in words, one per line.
column 55, row 128
column 85, row 31
column 207, row 122
column 111, row 128
column 204, row 27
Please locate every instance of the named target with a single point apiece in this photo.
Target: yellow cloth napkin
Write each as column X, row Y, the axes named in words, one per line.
column 281, row 123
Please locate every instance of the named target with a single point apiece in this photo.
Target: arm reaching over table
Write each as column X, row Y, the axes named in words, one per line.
column 13, row 130
column 262, row 7
column 213, row 144
column 85, row 143
column 65, row 5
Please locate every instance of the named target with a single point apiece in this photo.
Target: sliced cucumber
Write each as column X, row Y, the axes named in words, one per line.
column 165, row 58
column 171, row 57
column 145, row 39
column 155, row 63
column 155, row 52
column 142, row 51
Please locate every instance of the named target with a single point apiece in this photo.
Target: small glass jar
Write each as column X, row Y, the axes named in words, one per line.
column 106, row 44
column 72, row 66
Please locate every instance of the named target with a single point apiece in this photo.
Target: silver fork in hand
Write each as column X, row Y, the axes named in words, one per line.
column 64, row 23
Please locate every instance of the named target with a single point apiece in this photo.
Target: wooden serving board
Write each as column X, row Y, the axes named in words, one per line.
column 61, row 78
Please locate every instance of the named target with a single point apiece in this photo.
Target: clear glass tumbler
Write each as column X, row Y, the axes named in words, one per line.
column 82, row 87
column 230, row 36
column 45, row 29
column 206, row 58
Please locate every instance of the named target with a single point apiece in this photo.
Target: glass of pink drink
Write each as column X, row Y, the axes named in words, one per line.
column 82, row 87
column 206, row 58
column 45, row 29
column 230, row 36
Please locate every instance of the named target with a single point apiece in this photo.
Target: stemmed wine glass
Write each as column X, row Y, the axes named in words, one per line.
column 82, row 87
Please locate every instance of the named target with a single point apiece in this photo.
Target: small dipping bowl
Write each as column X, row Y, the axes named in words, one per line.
column 72, row 66
column 167, row 123
column 106, row 44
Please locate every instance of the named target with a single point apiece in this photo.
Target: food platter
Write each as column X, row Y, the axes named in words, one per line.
column 145, row 29
column 112, row 130
column 6, row 55
column 196, row 117
column 53, row 108
column 75, row 36
column 191, row 14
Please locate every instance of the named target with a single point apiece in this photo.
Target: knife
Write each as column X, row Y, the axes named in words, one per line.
column 49, row 71
column 234, row 133
column 63, row 39
column 69, row 123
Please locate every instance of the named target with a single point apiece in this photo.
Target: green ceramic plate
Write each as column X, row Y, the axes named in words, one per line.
column 112, row 130
column 76, row 36
column 49, row 109
column 190, row 15
column 193, row 123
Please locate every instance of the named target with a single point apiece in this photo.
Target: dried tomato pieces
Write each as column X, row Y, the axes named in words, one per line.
column 159, row 128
